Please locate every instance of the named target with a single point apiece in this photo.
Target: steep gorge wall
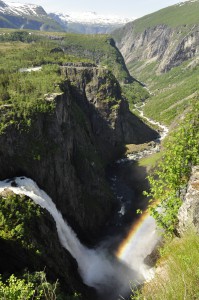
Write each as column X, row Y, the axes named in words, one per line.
column 98, row 94
column 66, row 151
column 167, row 46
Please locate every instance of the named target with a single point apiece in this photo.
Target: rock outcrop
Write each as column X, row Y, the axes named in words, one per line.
column 188, row 215
column 66, row 151
column 98, row 94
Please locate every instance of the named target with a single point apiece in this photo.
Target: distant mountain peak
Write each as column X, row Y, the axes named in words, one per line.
column 26, row 16
column 91, row 17
column 20, row 9
column 2, row 4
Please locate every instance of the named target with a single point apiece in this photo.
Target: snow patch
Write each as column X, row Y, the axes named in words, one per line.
column 91, row 18
column 185, row 1
column 15, row 8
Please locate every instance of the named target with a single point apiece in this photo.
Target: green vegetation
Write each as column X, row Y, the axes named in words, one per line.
column 20, row 36
column 100, row 49
column 178, row 272
column 172, row 92
column 22, row 92
column 151, row 161
column 16, row 289
column 134, row 93
column 17, row 217
column 34, row 286
column 38, row 50
column 169, row 181
column 30, row 286
column 173, row 16
column 20, row 221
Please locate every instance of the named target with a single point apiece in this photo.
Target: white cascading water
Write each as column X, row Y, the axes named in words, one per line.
column 96, row 268
column 163, row 133
column 163, row 127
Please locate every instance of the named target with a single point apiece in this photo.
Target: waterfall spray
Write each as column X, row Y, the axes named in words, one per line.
column 96, row 267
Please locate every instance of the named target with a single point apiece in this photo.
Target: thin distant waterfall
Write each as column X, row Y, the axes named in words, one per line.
column 97, row 268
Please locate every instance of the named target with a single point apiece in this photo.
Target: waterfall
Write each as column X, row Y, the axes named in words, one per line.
column 111, row 275
column 96, row 267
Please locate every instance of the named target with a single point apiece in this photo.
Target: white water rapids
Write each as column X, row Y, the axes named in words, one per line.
column 164, row 129
column 156, row 148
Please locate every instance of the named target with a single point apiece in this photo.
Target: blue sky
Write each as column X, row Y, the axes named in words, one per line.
column 125, row 8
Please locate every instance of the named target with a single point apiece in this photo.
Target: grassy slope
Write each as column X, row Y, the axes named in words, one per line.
column 17, row 47
column 96, row 48
column 171, row 92
column 100, row 49
column 173, row 16
column 178, row 272
column 184, row 16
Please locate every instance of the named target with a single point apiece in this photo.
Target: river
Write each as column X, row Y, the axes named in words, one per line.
column 138, row 235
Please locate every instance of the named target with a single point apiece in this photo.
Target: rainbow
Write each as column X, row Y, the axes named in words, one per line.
column 138, row 244
column 134, row 230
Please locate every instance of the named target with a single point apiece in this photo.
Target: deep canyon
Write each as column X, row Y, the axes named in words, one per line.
column 78, row 137
column 88, row 126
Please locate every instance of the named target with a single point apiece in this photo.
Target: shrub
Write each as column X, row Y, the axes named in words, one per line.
column 170, row 180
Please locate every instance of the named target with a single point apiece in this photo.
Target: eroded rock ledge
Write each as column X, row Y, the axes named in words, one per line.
column 189, row 212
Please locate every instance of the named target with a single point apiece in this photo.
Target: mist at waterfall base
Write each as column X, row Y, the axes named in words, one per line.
column 110, row 275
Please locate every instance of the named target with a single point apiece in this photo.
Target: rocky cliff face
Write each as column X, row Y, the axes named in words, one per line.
column 65, row 152
column 98, row 94
column 167, row 37
column 167, row 46
column 189, row 212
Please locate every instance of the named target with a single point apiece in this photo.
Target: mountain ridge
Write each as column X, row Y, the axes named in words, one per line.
column 161, row 37
column 161, row 50
column 31, row 16
column 22, row 9
column 23, row 16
